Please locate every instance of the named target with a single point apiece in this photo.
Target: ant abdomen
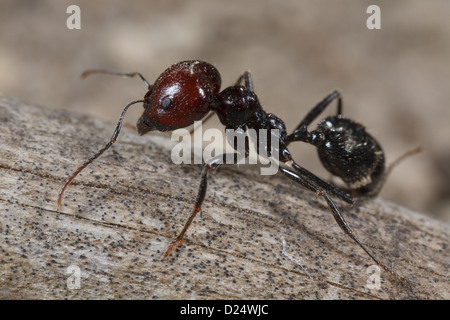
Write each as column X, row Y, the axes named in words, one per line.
column 348, row 151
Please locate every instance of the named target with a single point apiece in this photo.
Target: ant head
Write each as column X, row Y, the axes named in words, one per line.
column 181, row 95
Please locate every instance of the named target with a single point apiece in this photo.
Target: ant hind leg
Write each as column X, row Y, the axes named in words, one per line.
column 313, row 185
column 248, row 81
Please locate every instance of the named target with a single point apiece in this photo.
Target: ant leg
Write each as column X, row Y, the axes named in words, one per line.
column 386, row 173
column 212, row 164
column 310, row 184
column 320, row 107
column 300, row 131
column 339, row 107
column 248, row 81
column 335, row 191
column 402, row 157
column 99, row 153
column 103, row 71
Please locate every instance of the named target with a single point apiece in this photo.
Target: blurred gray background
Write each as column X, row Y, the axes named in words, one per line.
column 394, row 80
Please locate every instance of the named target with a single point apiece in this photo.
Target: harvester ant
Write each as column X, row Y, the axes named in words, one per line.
column 189, row 90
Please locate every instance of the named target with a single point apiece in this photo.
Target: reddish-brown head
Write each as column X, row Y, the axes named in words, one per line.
column 181, row 95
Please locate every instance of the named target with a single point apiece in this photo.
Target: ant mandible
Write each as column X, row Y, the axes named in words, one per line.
column 187, row 91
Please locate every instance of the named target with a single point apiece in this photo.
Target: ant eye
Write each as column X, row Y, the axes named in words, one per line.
column 166, row 103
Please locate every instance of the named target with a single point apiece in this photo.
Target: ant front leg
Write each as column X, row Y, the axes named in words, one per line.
column 300, row 133
column 112, row 140
column 213, row 163
column 315, row 184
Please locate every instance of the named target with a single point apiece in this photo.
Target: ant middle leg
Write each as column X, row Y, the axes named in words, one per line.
column 212, row 164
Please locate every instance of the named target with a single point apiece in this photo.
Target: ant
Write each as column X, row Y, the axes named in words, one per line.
column 189, row 90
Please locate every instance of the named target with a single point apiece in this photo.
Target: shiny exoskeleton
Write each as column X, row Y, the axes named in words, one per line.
column 189, row 90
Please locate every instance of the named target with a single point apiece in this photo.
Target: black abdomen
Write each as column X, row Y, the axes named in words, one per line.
column 351, row 153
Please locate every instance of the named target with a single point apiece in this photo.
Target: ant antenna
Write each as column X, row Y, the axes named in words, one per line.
column 103, row 71
column 95, row 156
